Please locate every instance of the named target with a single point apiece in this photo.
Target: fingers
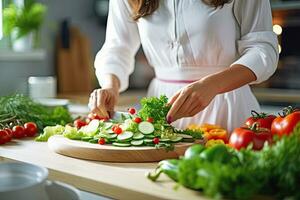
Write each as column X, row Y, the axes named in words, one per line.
column 101, row 97
column 173, row 99
column 97, row 103
column 176, row 106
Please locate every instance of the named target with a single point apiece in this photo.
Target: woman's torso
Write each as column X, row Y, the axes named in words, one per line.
column 188, row 34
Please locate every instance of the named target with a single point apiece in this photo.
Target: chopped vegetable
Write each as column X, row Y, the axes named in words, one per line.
column 101, row 141
column 50, row 131
column 146, row 128
column 154, row 107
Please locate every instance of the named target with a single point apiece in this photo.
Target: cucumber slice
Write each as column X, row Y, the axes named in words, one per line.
column 121, row 144
column 138, row 136
column 137, row 142
column 108, row 125
column 177, row 139
column 185, row 136
column 164, row 140
column 86, row 139
column 188, row 140
column 113, row 136
column 91, row 129
column 146, row 128
column 150, row 136
column 148, row 141
column 94, row 141
column 110, row 131
column 102, row 135
column 125, row 136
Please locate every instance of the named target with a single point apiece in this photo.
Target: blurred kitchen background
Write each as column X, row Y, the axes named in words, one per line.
column 55, row 41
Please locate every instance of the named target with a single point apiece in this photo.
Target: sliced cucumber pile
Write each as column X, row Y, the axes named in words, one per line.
column 128, row 132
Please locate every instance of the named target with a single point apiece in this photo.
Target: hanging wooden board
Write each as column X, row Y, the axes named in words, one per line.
column 109, row 153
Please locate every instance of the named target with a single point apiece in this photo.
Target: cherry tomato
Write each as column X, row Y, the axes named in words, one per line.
column 244, row 136
column 264, row 120
column 88, row 120
column 137, row 120
column 9, row 131
column 105, row 119
column 92, row 116
column 101, row 141
column 285, row 123
column 4, row 137
column 155, row 140
column 150, row 119
column 30, row 129
column 132, row 111
column 114, row 127
column 78, row 123
column 18, row 131
column 118, row 130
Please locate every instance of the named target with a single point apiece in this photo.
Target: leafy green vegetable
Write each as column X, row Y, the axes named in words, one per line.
column 220, row 171
column 50, row 131
column 23, row 109
column 72, row 133
column 197, row 134
column 154, row 107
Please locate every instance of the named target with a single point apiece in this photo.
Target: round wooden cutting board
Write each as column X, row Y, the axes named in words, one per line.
column 109, row 153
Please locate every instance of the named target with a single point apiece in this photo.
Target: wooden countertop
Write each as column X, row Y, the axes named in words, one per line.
column 115, row 180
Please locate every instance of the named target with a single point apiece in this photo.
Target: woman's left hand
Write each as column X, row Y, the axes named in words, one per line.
column 191, row 99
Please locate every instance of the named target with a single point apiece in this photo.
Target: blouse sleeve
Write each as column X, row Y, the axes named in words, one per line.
column 121, row 44
column 258, row 45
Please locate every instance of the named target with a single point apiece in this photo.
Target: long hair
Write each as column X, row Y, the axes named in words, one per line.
column 142, row 8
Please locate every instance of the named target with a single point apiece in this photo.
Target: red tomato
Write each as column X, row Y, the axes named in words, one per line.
column 156, row 140
column 9, row 131
column 264, row 120
column 118, row 130
column 243, row 136
column 92, row 116
column 18, row 131
column 101, row 141
column 105, row 119
column 150, row 119
column 132, row 111
column 137, row 120
column 88, row 120
column 78, row 123
column 30, row 129
column 4, row 137
column 285, row 124
column 114, row 128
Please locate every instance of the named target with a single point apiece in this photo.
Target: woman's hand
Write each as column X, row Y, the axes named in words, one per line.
column 196, row 96
column 191, row 99
column 102, row 101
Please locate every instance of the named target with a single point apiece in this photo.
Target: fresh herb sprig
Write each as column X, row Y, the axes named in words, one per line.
column 156, row 108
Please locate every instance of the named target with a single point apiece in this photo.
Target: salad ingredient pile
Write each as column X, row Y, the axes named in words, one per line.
column 147, row 127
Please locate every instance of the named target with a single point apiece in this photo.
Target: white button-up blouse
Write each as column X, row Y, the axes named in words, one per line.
column 186, row 40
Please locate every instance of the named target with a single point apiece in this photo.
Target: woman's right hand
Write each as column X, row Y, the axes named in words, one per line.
column 102, row 101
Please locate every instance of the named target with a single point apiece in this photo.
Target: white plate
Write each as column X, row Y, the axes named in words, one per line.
column 52, row 102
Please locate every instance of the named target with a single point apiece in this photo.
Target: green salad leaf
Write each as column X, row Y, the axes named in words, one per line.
column 50, row 131
column 154, row 107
